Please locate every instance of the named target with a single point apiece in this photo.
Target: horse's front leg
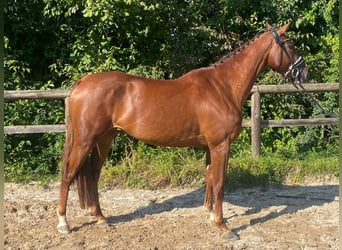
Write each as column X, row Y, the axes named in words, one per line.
column 219, row 161
column 208, row 200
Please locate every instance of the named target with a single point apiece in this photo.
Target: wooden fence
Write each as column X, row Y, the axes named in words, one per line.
column 255, row 123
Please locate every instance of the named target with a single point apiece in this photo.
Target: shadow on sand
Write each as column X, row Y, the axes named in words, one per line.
column 292, row 198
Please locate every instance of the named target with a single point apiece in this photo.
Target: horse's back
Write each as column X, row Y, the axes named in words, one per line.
column 101, row 79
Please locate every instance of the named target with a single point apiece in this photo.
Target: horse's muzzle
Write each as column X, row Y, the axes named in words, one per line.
column 304, row 75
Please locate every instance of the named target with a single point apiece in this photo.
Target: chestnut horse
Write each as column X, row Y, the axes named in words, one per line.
column 199, row 109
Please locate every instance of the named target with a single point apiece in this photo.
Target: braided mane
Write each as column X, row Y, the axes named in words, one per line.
column 224, row 58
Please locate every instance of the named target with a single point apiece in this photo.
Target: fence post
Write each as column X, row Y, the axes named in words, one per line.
column 256, row 123
column 66, row 112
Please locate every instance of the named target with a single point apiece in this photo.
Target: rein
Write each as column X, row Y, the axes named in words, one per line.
column 313, row 101
column 294, row 71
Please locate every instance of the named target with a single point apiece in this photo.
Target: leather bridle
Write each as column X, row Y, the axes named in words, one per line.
column 296, row 67
column 294, row 72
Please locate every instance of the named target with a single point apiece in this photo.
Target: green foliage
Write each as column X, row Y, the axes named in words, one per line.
column 33, row 157
column 154, row 167
column 248, row 172
column 51, row 43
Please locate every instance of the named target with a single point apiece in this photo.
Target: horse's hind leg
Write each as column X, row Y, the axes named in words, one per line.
column 97, row 158
column 71, row 165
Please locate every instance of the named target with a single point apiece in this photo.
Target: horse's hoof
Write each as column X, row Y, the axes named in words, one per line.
column 211, row 216
column 232, row 236
column 64, row 229
column 102, row 223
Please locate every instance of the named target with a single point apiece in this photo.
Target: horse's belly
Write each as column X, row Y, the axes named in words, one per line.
column 170, row 135
column 171, row 142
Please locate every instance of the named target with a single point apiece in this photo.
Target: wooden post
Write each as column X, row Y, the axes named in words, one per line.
column 66, row 113
column 256, row 124
column 66, row 109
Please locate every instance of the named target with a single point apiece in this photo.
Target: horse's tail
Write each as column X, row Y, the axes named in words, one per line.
column 85, row 178
column 67, row 146
column 68, row 138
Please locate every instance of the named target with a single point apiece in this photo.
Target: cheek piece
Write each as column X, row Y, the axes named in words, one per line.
column 295, row 69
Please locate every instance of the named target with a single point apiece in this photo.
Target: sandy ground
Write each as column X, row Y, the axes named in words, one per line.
column 287, row 217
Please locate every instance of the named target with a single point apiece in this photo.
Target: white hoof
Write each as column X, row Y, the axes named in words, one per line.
column 102, row 223
column 63, row 226
column 212, row 216
column 64, row 229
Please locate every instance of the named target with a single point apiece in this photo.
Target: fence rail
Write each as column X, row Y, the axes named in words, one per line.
column 255, row 123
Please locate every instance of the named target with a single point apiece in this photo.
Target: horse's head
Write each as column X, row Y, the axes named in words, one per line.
column 284, row 58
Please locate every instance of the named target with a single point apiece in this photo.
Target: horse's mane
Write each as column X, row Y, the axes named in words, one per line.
column 224, row 58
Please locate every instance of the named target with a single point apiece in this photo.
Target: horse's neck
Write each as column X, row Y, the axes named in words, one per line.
column 242, row 69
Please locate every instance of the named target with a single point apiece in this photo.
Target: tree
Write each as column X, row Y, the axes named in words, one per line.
column 51, row 43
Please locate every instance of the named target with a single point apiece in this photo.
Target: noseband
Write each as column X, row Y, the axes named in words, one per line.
column 296, row 66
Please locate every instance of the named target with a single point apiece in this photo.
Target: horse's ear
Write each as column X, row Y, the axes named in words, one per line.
column 283, row 29
column 268, row 26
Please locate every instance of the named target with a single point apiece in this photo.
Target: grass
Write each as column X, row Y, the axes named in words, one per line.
column 273, row 169
column 154, row 168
